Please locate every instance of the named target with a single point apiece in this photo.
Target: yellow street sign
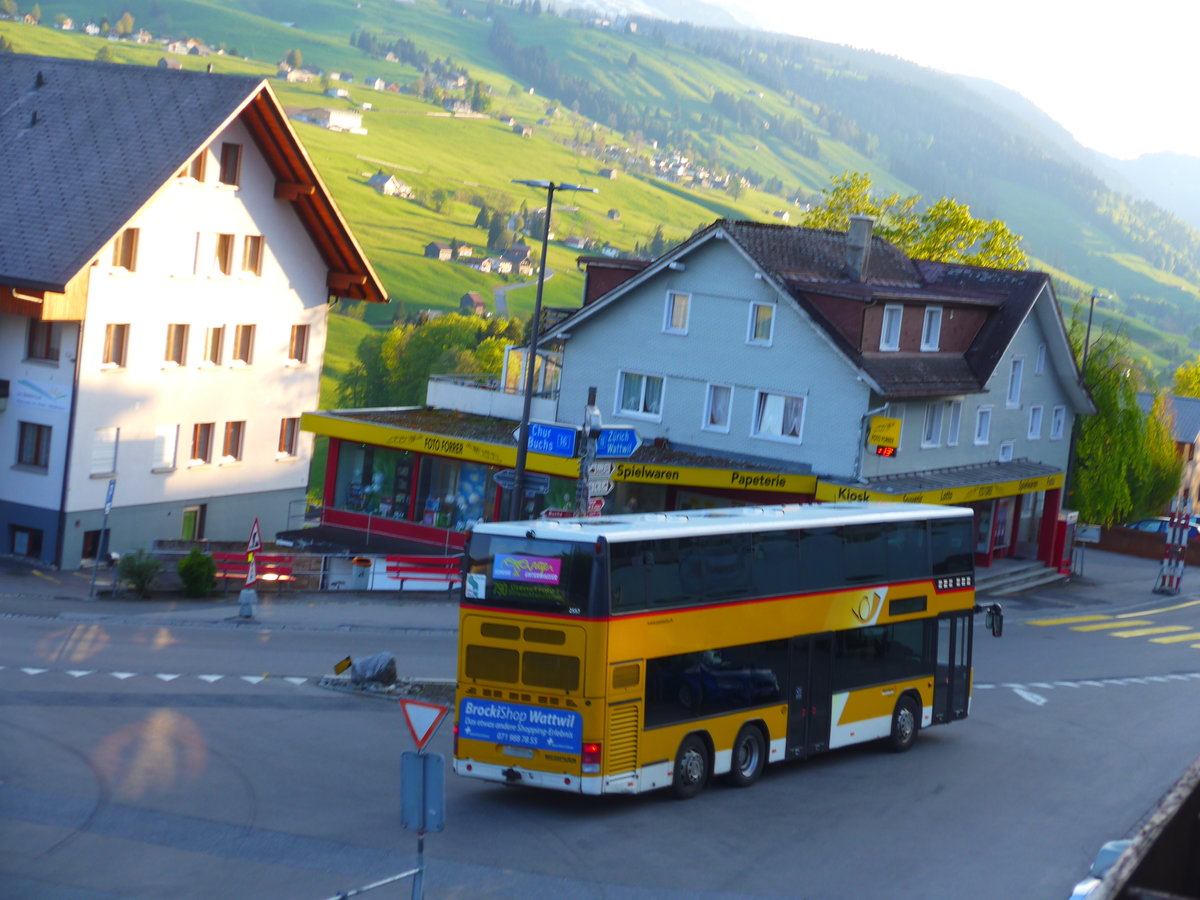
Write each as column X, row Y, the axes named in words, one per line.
column 884, row 432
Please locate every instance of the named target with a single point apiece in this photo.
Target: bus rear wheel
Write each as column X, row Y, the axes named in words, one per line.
column 691, row 767
column 905, row 724
column 749, row 757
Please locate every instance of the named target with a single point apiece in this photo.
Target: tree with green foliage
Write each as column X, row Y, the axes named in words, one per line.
column 124, row 24
column 294, row 58
column 393, row 368
column 943, row 232
column 6, row 45
column 36, row 14
column 105, row 55
column 198, row 572
column 1125, row 465
column 1187, row 379
column 138, row 570
column 9, row 8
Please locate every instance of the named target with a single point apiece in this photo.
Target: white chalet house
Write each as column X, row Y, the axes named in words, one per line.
column 167, row 259
column 790, row 348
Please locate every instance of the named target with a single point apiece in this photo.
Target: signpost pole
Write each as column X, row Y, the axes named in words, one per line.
column 108, row 500
column 591, row 428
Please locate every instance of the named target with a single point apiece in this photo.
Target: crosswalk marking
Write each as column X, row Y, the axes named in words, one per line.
column 1071, row 620
column 1146, row 632
column 295, row 680
column 1108, row 626
column 1177, row 638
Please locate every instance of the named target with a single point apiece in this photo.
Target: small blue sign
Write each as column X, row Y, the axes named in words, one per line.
column 108, row 498
column 520, row 726
column 552, row 440
column 617, row 442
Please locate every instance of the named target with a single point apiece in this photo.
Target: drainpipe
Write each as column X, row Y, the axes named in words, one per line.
column 862, row 439
column 62, row 498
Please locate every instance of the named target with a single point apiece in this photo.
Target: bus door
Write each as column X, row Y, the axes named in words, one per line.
column 952, row 684
column 809, row 702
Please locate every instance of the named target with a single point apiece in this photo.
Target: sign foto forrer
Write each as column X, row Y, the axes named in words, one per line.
column 884, row 432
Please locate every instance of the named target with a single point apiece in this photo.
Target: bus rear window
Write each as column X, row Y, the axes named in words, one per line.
column 527, row 573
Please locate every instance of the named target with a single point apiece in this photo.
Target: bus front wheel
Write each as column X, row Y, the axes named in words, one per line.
column 905, row 723
column 691, row 767
column 749, row 757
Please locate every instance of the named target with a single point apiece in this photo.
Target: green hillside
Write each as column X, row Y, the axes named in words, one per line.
column 766, row 119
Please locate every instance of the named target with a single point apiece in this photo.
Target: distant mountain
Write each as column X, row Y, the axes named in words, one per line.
column 1169, row 179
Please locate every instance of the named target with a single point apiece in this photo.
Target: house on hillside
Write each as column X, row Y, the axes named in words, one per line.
column 778, row 364
column 523, row 130
column 390, row 185
column 332, row 119
column 439, row 250
column 472, row 304
column 463, row 251
column 168, row 63
column 609, row 173
column 163, row 311
column 518, row 256
column 1184, row 413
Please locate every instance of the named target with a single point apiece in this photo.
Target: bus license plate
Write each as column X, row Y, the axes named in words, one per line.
column 522, row 752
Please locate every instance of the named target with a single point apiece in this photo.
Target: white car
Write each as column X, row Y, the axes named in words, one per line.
column 1104, row 861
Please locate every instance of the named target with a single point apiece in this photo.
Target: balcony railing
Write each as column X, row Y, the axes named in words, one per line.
column 483, row 395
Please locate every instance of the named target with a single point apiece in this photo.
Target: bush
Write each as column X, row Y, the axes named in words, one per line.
column 198, row 572
column 138, row 570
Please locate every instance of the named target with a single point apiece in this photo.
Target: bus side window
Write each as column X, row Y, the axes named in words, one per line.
column 907, row 551
column 866, row 554
column 628, row 577
column 776, row 562
column 822, row 561
column 953, row 545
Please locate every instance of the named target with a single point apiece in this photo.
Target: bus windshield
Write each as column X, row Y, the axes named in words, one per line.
column 509, row 572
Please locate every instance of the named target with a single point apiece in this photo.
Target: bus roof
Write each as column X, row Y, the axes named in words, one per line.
column 641, row 526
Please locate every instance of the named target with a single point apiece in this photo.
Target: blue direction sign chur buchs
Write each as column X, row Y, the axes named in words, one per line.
column 552, row 440
column 617, row 443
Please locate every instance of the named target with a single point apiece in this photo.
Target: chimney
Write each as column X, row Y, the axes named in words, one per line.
column 858, row 246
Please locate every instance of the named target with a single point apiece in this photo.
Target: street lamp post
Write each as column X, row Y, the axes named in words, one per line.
column 518, row 497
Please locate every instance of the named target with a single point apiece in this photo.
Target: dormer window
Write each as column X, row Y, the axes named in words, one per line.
column 889, row 336
column 931, row 332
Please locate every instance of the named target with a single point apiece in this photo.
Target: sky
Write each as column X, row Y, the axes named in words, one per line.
column 1120, row 76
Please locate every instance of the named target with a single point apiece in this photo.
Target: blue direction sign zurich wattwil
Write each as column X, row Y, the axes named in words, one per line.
column 617, row 443
column 552, row 440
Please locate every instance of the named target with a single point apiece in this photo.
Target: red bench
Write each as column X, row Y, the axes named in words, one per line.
column 443, row 569
column 270, row 569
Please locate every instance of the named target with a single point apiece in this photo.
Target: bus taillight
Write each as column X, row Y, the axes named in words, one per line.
column 591, row 759
column 456, row 739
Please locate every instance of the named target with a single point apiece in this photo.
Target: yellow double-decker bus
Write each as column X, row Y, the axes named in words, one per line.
column 628, row 653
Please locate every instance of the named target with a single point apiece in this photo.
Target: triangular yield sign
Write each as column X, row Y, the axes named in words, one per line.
column 422, row 719
column 255, row 542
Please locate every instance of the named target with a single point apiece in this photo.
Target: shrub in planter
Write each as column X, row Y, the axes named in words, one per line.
column 198, row 572
column 138, row 570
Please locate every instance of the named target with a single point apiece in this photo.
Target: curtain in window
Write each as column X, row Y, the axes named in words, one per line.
column 653, row 401
column 631, row 392
column 718, row 406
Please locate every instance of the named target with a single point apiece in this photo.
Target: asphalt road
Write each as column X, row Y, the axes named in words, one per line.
column 148, row 755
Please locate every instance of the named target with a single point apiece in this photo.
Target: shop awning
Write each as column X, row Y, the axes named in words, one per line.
column 957, row 484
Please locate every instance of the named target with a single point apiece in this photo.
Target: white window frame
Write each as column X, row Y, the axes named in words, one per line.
column 756, row 426
column 931, row 329
column 751, row 329
column 954, row 422
column 1039, row 365
column 1016, row 373
column 931, row 431
column 1006, row 451
column 1036, row 414
column 707, row 424
column 1058, row 422
column 983, row 426
column 201, row 451
column 166, row 445
column 289, row 438
column 893, row 320
column 676, row 300
column 104, row 452
column 640, row 412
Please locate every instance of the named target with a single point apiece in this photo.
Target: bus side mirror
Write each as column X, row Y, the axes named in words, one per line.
column 995, row 620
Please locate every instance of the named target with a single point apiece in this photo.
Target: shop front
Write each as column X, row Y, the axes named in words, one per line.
column 1016, row 504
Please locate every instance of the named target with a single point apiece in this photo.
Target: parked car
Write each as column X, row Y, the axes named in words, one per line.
column 1160, row 525
column 1104, row 861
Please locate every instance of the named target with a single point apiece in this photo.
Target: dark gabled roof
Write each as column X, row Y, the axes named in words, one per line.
column 812, row 261
column 1185, row 413
column 85, row 145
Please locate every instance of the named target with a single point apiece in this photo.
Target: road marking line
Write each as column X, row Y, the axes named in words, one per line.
column 1110, row 625
column 253, row 679
column 210, row 678
column 46, row 577
column 33, row 671
column 1092, row 683
column 122, row 675
column 1067, row 621
column 1151, row 612
column 1176, row 638
column 1070, row 684
column 1144, row 632
column 296, row 681
column 1041, row 684
column 79, row 673
column 164, row 677
column 1030, row 696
